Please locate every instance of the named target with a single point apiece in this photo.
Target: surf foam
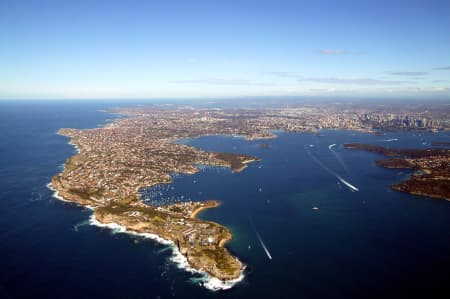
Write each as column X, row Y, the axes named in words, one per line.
column 75, row 146
column 206, row 280
column 209, row 282
column 56, row 193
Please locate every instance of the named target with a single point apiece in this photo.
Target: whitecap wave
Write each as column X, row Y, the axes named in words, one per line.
column 56, row 193
column 75, row 146
column 206, row 280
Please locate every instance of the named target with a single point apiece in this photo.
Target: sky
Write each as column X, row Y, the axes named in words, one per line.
column 136, row 49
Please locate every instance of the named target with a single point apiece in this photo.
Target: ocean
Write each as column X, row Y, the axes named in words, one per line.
column 324, row 239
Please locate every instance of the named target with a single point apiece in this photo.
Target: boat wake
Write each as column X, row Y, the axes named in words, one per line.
column 323, row 166
column 263, row 246
column 338, row 158
column 260, row 239
column 353, row 188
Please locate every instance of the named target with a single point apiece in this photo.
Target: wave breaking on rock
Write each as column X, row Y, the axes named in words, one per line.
column 205, row 280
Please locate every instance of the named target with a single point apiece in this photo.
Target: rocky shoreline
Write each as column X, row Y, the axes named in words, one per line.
column 110, row 167
column 432, row 168
column 230, row 267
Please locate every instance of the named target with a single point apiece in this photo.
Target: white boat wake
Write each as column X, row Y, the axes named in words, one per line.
column 338, row 158
column 264, row 246
column 260, row 239
column 350, row 186
column 353, row 188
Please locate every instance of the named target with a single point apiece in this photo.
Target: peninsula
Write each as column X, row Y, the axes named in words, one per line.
column 140, row 150
column 116, row 161
column 432, row 166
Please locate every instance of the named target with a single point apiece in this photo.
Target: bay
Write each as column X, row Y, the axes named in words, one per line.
column 324, row 239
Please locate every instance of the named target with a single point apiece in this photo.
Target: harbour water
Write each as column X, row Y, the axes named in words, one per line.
column 301, row 231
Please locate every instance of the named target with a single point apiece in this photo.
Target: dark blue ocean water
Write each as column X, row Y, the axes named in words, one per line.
column 375, row 243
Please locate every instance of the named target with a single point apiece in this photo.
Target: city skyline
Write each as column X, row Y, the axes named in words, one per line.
column 204, row 49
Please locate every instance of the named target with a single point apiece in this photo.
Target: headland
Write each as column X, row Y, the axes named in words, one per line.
column 140, row 150
column 432, row 168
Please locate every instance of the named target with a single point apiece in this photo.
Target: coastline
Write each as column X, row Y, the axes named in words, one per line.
column 206, row 280
column 202, row 259
column 430, row 168
column 56, row 194
column 178, row 257
column 199, row 209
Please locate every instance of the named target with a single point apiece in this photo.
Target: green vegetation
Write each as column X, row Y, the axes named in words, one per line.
column 74, row 161
column 431, row 180
column 392, row 152
column 235, row 161
column 127, row 201
column 176, row 209
column 223, row 260
column 120, row 209
column 425, row 185
column 87, row 193
column 394, row 163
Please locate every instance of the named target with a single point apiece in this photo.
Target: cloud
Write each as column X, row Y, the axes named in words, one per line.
column 354, row 81
column 332, row 52
column 282, row 74
column 442, row 89
column 222, row 81
column 342, row 81
column 411, row 74
column 444, row 68
column 322, row 89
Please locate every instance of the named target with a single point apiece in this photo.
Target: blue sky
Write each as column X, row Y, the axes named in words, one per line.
column 195, row 49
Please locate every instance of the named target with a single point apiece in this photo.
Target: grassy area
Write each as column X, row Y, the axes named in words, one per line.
column 128, row 200
column 87, row 193
column 74, row 161
column 176, row 209
column 234, row 160
column 121, row 208
column 223, row 260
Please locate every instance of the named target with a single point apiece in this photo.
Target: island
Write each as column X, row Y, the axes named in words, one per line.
column 432, row 168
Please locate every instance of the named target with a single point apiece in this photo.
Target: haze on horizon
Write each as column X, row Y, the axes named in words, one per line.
column 52, row 49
